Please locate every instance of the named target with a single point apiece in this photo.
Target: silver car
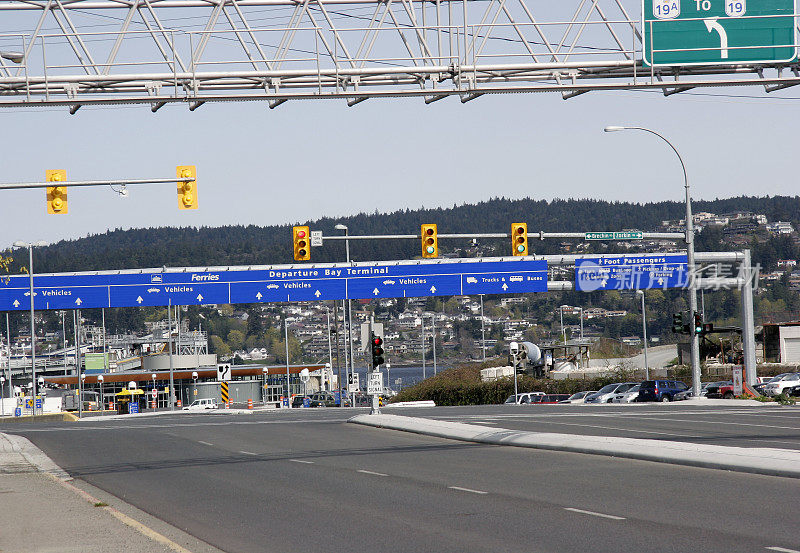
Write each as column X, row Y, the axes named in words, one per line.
column 628, row 396
column 606, row 393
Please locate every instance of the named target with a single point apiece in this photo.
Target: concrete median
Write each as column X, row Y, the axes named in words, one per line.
column 769, row 461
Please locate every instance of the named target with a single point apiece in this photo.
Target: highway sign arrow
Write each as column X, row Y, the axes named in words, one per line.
column 713, row 25
column 259, row 296
column 78, row 301
column 376, row 291
column 505, row 286
column 318, row 293
column 199, row 297
column 433, row 289
column 139, row 300
column 16, row 303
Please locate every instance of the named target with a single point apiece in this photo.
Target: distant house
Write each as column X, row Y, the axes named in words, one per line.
column 780, row 227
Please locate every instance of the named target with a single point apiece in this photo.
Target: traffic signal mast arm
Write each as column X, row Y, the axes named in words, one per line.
column 114, row 182
column 539, row 235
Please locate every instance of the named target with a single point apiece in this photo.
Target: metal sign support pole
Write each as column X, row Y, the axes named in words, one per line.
column 483, row 331
column 338, row 356
column 748, row 324
column 286, row 343
column 433, row 337
column 171, row 364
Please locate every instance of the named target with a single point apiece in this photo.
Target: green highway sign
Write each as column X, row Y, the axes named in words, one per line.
column 599, row 236
column 703, row 32
column 627, row 235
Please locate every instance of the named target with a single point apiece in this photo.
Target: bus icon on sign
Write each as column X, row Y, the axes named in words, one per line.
column 157, row 278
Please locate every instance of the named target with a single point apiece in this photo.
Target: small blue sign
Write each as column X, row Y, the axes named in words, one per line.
column 133, row 407
column 18, row 411
column 640, row 272
column 337, row 398
column 306, row 402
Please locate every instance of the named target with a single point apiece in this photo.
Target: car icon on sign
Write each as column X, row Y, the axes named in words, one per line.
column 153, row 290
column 472, row 280
column 272, row 286
column 389, row 282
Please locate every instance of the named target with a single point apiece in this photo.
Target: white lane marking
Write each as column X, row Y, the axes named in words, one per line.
column 302, row 461
column 204, row 443
column 112, row 426
column 782, row 549
column 592, row 513
column 459, row 488
column 372, row 473
column 248, row 453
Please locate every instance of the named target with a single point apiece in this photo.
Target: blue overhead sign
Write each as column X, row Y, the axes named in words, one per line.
column 152, row 287
column 631, row 272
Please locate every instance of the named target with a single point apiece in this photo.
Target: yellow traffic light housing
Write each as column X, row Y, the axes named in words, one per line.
column 430, row 241
column 519, row 238
column 302, row 245
column 187, row 190
column 56, row 195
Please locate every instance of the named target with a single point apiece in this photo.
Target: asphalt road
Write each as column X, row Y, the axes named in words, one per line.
column 307, row 481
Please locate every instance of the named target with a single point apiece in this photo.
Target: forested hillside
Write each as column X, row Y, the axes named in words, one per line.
column 245, row 245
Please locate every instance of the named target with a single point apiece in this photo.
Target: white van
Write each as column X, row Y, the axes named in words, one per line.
column 207, row 403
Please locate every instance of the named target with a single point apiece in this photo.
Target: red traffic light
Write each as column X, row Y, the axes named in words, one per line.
column 301, row 234
column 377, row 341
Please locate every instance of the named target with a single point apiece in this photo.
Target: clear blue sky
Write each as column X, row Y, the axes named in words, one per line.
column 307, row 159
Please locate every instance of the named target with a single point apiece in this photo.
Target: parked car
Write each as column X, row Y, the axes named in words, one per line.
column 704, row 387
column 297, row 401
column 202, row 404
column 628, row 396
column 553, row 398
column 522, row 399
column 660, row 390
column 722, row 389
column 322, row 399
column 684, row 395
column 578, row 397
column 607, row 392
column 777, row 385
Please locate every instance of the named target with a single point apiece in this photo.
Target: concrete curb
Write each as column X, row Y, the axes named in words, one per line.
column 768, row 461
column 33, row 455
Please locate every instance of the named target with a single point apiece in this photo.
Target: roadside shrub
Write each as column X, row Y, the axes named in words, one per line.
column 463, row 386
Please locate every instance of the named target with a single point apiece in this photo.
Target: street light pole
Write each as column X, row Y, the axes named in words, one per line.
column 644, row 337
column 689, row 254
column 30, row 246
column 349, row 333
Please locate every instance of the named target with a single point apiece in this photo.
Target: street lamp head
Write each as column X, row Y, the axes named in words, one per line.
column 15, row 57
column 41, row 244
column 340, row 226
column 614, row 128
column 640, row 292
column 20, row 244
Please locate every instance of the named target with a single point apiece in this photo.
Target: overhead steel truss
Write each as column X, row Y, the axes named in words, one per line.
column 83, row 52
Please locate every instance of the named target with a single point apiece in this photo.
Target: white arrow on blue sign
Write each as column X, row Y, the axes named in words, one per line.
column 276, row 284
